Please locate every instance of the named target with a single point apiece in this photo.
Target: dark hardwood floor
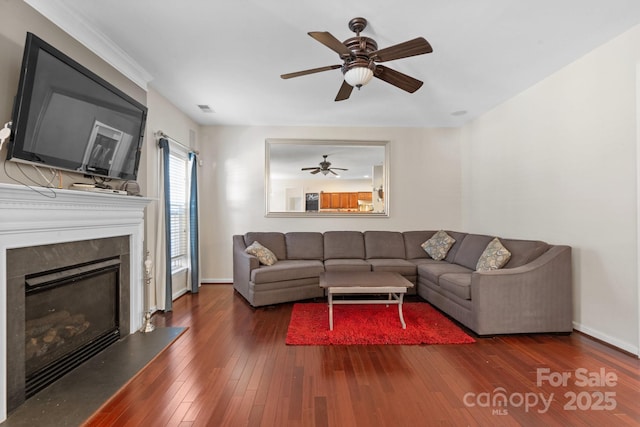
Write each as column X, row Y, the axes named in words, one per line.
column 232, row 368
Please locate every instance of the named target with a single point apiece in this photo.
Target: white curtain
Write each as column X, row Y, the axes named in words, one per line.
column 159, row 258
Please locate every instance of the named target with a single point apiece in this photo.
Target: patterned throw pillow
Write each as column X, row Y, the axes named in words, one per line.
column 264, row 255
column 494, row 257
column 438, row 245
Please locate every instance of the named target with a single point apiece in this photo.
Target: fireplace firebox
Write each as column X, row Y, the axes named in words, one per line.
column 71, row 314
column 66, row 302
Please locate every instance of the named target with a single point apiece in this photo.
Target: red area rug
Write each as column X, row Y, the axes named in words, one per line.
column 372, row 324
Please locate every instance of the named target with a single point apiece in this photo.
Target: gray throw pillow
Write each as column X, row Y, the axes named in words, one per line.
column 494, row 257
column 438, row 245
column 264, row 255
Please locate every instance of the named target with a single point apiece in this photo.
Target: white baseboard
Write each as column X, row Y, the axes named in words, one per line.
column 178, row 294
column 225, row 281
column 628, row 347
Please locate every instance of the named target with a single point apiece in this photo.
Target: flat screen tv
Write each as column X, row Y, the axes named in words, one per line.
column 66, row 117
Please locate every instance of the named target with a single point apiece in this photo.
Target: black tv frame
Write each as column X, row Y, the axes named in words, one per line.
column 24, row 104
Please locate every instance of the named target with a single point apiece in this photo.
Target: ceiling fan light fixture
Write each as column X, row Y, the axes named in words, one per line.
column 324, row 171
column 358, row 76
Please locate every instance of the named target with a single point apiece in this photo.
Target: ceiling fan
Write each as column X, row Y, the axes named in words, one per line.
column 360, row 56
column 325, row 167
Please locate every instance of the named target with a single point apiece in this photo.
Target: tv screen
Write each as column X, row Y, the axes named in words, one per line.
column 66, row 117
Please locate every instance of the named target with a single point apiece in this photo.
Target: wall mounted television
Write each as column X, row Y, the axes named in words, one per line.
column 66, row 117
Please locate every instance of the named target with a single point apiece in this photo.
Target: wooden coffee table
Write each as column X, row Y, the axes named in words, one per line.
column 365, row 282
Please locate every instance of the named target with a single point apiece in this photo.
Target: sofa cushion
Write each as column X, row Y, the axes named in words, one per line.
column 412, row 242
column 458, row 284
column 420, row 261
column 470, row 250
column 494, row 257
column 272, row 240
column 287, row 270
column 401, row 266
column 451, row 255
column 343, row 245
column 523, row 251
column 304, row 245
column 438, row 245
column 350, row 264
column 264, row 255
column 383, row 244
column 433, row 271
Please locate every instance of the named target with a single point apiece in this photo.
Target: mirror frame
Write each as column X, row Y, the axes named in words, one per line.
column 269, row 142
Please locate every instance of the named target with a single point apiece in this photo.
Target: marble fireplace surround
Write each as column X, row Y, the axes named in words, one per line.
column 41, row 216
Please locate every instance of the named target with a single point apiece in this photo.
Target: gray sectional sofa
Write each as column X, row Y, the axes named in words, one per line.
column 531, row 293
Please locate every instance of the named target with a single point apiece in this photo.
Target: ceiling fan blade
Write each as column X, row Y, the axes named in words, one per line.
column 340, row 169
column 309, row 169
column 310, row 71
column 397, row 78
column 327, row 39
column 332, row 172
column 315, row 172
column 417, row 46
column 344, row 92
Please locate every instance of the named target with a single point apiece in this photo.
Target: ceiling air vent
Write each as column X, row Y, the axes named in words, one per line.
column 205, row 108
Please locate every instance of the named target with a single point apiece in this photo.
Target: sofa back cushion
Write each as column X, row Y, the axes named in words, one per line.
column 343, row 244
column 451, row 255
column 470, row 249
column 412, row 242
column 523, row 251
column 304, row 245
column 384, row 244
column 271, row 240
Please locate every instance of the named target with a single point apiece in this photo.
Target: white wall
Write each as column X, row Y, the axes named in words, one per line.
column 425, row 186
column 558, row 163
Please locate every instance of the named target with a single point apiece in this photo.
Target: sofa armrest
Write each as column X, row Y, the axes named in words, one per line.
column 243, row 264
column 535, row 297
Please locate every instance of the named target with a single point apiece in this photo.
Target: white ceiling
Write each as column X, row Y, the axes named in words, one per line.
column 229, row 54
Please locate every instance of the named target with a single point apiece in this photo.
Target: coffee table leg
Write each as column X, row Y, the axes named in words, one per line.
column 404, row 325
column 330, row 297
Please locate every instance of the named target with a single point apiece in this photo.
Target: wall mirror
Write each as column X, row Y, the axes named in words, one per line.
column 307, row 178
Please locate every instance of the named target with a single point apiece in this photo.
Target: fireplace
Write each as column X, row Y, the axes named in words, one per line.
column 51, row 239
column 69, row 301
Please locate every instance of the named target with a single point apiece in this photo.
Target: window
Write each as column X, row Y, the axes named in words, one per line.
column 179, row 186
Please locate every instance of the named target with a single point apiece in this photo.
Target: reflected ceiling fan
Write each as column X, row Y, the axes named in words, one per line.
column 325, row 167
column 360, row 56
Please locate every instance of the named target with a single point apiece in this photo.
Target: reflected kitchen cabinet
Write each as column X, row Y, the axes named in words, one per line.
column 325, row 200
column 365, row 196
column 335, row 201
column 340, row 200
column 348, row 200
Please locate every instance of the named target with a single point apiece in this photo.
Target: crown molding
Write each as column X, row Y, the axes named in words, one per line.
column 77, row 26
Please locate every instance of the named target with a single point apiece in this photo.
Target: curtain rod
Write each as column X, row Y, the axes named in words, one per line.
column 161, row 134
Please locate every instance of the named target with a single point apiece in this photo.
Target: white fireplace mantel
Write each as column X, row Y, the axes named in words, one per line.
column 41, row 216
